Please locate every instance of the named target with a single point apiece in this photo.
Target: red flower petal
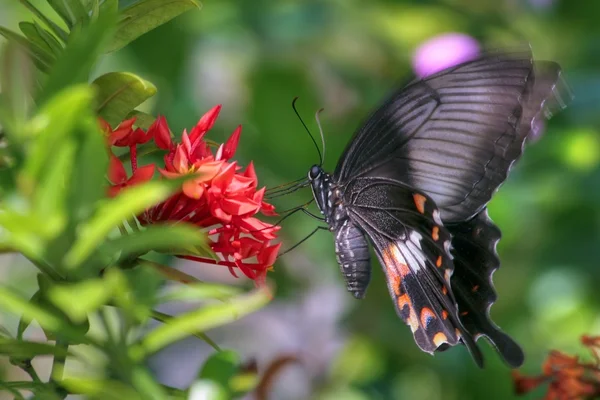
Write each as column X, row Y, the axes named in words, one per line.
column 161, row 133
column 206, row 122
column 268, row 256
column 193, row 189
column 232, row 143
column 142, row 174
column 116, row 171
column 239, row 206
column 119, row 137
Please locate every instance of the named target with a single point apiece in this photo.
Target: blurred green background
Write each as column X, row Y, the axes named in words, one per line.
column 254, row 57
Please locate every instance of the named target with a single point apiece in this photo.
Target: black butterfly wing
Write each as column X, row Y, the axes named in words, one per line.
column 455, row 134
column 413, row 247
column 475, row 260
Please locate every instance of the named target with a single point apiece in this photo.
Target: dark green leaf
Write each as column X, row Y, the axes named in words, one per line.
column 119, row 93
column 30, row 31
column 146, row 15
column 140, row 297
column 221, row 367
column 79, row 56
column 40, row 57
column 24, row 349
column 16, row 83
column 72, row 12
column 58, row 31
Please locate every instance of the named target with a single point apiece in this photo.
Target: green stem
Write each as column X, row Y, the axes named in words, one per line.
column 28, row 368
column 58, row 365
column 165, row 318
column 45, row 268
column 171, row 274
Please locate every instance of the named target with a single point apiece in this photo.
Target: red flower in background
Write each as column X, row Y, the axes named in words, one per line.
column 567, row 376
column 220, row 197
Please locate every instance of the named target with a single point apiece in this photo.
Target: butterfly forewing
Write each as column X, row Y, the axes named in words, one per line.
column 455, row 134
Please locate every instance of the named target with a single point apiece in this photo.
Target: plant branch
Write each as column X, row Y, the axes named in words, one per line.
column 165, row 318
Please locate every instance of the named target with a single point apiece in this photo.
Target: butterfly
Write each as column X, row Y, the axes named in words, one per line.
column 414, row 183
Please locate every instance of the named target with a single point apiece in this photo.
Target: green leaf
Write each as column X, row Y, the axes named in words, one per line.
column 16, row 82
column 30, row 31
column 12, row 302
column 90, row 294
column 119, row 93
column 202, row 319
column 55, row 122
column 200, row 291
column 158, row 238
column 23, row 233
column 220, row 368
column 24, row 323
column 88, row 182
column 50, row 197
column 142, row 119
column 40, row 57
column 80, row 54
column 58, row 31
column 146, row 385
column 24, row 349
column 111, row 213
column 145, row 15
column 71, row 11
column 142, row 285
column 48, row 39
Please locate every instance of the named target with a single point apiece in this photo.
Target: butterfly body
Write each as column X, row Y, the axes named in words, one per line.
column 414, row 183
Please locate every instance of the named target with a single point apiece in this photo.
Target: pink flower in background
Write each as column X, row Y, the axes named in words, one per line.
column 442, row 52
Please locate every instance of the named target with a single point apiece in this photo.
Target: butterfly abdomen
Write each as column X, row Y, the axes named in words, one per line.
column 352, row 253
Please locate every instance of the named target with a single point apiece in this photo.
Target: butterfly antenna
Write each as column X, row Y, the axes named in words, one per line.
column 321, row 132
column 306, row 128
column 317, row 229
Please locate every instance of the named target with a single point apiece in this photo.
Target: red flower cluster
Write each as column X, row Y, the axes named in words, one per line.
column 567, row 376
column 218, row 197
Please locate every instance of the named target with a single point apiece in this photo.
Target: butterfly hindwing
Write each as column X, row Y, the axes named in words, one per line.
column 413, row 247
column 475, row 260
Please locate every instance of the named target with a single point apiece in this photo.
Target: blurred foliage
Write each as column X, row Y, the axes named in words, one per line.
column 345, row 56
column 88, row 248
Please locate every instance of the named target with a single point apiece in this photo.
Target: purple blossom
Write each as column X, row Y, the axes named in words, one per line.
column 444, row 51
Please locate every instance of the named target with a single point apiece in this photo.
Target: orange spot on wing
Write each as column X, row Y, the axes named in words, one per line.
column 435, row 233
column 412, row 320
column 393, row 257
column 394, row 279
column 404, row 300
column 444, row 314
column 457, row 332
column 426, row 314
column 464, row 313
column 420, row 202
column 475, row 288
column 439, row 338
column 438, row 262
column 444, row 290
